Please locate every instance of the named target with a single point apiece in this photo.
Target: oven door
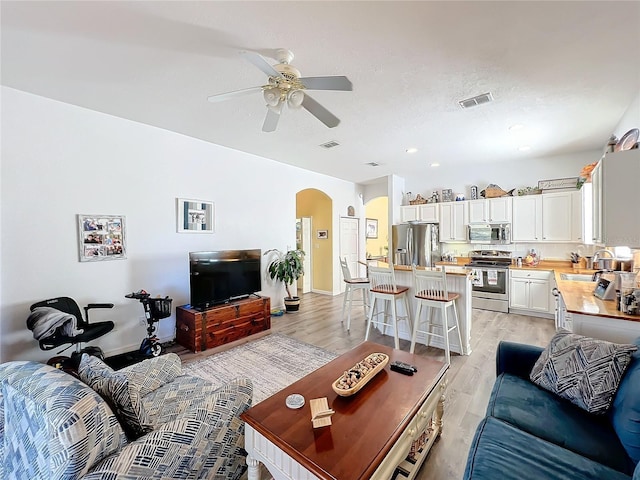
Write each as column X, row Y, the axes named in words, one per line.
column 490, row 283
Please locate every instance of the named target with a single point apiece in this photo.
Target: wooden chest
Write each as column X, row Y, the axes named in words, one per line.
column 199, row 330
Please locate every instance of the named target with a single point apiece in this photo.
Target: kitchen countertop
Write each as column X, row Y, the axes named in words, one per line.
column 452, row 268
column 578, row 296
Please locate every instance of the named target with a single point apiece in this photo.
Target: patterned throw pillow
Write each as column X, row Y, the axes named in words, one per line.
column 124, row 389
column 583, row 370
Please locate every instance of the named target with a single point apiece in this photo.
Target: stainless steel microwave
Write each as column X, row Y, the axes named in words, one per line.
column 492, row 233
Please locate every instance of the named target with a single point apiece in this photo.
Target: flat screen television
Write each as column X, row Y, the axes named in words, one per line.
column 222, row 276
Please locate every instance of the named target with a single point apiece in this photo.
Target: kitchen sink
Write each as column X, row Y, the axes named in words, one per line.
column 576, row 277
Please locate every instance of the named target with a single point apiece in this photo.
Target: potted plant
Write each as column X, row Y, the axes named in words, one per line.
column 286, row 267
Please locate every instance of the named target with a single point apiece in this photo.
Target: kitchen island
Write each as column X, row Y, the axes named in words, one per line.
column 585, row 314
column 458, row 281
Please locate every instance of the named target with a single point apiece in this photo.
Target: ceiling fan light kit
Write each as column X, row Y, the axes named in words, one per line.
column 287, row 86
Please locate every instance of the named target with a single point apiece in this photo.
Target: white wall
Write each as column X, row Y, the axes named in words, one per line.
column 59, row 160
column 630, row 119
column 507, row 175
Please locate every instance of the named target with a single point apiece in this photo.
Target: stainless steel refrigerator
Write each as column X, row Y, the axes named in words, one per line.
column 416, row 244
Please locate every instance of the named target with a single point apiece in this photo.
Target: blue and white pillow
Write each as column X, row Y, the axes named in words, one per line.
column 585, row 371
column 124, row 389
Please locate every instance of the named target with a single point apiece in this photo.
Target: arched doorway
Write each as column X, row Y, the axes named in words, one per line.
column 318, row 207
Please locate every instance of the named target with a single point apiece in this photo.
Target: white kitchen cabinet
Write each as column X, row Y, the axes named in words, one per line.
column 596, row 203
column 453, row 221
column 579, row 224
column 556, row 217
column 550, row 217
column 409, row 213
column 527, row 219
column 491, row 210
column 428, row 212
column 530, row 292
column 619, row 204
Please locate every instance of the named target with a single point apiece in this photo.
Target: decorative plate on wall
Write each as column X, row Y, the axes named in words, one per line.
column 628, row 140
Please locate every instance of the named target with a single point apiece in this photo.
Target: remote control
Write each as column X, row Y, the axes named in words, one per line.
column 403, row 370
column 404, row 365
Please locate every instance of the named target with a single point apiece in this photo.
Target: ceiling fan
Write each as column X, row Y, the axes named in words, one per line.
column 287, row 86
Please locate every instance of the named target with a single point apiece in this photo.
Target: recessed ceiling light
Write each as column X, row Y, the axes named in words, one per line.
column 411, row 150
column 515, row 127
column 435, row 164
column 524, row 148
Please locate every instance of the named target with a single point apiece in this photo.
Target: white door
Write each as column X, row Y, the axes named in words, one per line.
column 306, row 248
column 349, row 233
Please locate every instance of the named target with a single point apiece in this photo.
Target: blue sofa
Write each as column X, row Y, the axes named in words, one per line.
column 530, row 433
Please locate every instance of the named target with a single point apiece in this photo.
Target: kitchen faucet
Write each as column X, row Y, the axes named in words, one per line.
column 596, row 257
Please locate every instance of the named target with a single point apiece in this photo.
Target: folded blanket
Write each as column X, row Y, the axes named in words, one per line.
column 44, row 321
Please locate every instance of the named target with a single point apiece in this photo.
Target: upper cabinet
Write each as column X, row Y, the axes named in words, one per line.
column 491, row 210
column 551, row 217
column 616, row 208
column 527, row 219
column 427, row 212
column 453, row 221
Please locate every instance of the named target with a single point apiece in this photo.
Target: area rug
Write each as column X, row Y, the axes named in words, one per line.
column 272, row 363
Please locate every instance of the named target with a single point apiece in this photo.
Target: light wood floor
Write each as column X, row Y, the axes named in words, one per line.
column 470, row 377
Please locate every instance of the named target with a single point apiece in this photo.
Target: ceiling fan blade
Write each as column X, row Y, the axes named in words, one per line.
column 237, row 93
column 271, row 120
column 321, row 113
column 328, row 83
column 260, row 62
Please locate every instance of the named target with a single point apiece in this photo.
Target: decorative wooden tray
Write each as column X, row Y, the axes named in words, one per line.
column 349, row 384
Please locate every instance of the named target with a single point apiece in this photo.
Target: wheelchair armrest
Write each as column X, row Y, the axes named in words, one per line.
column 99, row 305
column 95, row 305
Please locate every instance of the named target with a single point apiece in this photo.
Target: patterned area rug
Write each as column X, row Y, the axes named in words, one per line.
column 272, row 362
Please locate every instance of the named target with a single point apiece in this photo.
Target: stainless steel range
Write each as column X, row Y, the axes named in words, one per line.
column 490, row 279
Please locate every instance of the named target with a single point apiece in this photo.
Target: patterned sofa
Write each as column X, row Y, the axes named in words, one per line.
column 166, row 425
column 529, row 432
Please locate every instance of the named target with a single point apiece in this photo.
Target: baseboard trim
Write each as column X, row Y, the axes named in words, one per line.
column 322, row 292
column 531, row 313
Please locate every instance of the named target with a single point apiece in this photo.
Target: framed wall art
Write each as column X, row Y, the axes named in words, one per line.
column 371, row 227
column 101, row 237
column 323, row 234
column 195, row 216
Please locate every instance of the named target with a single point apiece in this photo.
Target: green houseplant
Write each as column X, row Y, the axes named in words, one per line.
column 286, row 267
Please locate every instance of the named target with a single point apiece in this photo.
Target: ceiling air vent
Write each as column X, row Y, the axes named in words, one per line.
column 329, row 144
column 372, row 164
column 477, row 100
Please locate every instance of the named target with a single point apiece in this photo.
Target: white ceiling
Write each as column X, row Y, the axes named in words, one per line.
column 565, row 70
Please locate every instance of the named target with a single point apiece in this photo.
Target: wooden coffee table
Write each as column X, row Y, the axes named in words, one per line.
column 372, row 433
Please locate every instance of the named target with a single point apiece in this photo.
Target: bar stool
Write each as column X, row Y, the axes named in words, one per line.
column 431, row 292
column 353, row 284
column 383, row 288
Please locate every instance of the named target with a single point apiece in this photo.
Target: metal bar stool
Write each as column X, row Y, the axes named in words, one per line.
column 383, row 288
column 431, row 292
column 353, row 284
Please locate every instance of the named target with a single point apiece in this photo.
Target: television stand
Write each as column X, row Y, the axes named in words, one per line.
column 216, row 326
